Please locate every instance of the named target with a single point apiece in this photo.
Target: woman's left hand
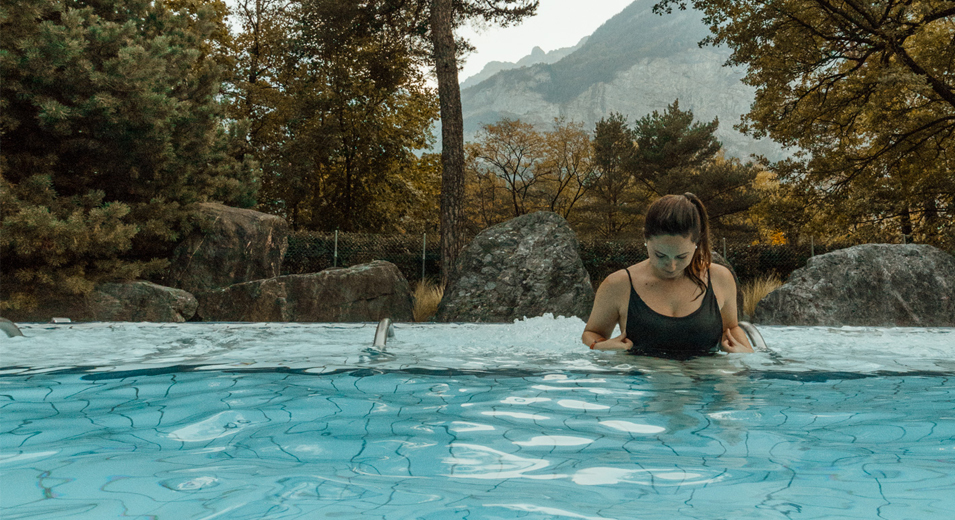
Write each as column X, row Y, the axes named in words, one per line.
column 731, row 344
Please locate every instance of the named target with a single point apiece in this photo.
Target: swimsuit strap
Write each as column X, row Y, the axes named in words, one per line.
column 628, row 276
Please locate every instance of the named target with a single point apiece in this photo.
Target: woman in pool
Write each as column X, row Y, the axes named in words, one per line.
column 676, row 303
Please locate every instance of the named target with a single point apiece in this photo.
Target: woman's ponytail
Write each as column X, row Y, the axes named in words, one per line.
column 702, row 257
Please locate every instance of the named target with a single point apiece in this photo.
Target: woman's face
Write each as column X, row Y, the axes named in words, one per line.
column 670, row 254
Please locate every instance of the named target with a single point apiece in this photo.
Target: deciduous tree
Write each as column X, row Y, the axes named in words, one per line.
column 513, row 151
column 487, row 201
column 863, row 91
column 514, row 169
column 568, row 167
column 338, row 106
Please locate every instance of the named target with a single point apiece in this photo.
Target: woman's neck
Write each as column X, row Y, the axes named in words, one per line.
column 655, row 277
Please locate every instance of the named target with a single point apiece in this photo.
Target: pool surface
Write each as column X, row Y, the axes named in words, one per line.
column 470, row 421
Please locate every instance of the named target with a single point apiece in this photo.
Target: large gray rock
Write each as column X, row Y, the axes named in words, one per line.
column 127, row 301
column 367, row 292
column 230, row 246
column 524, row 267
column 867, row 285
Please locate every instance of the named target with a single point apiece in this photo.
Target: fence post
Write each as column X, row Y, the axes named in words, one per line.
column 335, row 259
column 812, row 245
column 724, row 250
column 424, row 250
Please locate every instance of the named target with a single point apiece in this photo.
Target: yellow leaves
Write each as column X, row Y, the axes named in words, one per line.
column 766, row 180
column 18, row 300
column 863, row 89
column 73, row 280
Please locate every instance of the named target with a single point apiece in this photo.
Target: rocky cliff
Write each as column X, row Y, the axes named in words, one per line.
column 536, row 56
column 635, row 63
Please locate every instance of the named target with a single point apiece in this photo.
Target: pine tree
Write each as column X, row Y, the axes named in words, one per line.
column 443, row 17
column 111, row 128
column 617, row 200
column 676, row 154
column 669, row 147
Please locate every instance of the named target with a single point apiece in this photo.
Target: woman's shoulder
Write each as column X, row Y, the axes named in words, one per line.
column 619, row 280
column 721, row 275
column 620, row 276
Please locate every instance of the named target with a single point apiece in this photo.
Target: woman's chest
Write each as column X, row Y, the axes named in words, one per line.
column 673, row 299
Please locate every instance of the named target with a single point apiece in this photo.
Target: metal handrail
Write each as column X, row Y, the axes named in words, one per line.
column 754, row 336
column 383, row 332
column 10, row 328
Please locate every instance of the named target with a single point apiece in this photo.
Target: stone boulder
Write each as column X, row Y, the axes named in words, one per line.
column 868, row 285
column 229, row 246
column 526, row 266
column 127, row 301
column 367, row 292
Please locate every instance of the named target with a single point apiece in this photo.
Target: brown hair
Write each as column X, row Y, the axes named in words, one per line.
column 683, row 215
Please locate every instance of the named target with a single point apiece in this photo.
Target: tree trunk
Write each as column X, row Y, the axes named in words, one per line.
column 930, row 224
column 452, row 135
column 906, row 225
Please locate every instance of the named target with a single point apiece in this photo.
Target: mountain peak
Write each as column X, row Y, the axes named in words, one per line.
column 537, row 56
column 633, row 64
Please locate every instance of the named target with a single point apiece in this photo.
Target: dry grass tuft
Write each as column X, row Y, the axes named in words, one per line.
column 426, row 296
column 756, row 290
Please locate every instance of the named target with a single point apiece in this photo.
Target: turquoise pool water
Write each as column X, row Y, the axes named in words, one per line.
column 470, row 421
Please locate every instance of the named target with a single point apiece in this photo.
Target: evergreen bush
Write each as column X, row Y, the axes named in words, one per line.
column 111, row 123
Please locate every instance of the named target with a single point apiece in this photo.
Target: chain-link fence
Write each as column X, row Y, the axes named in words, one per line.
column 749, row 259
column 419, row 256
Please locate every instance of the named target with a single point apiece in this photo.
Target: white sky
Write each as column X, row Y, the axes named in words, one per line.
column 558, row 23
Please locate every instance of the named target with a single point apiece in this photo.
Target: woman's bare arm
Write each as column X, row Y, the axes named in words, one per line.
column 606, row 315
column 734, row 338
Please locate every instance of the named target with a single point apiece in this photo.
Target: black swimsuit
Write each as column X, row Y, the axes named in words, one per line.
column 654, row 334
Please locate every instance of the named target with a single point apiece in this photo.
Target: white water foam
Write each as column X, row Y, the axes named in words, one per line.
column 539, row 344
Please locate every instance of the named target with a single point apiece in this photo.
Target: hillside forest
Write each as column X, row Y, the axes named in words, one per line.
column 118, row 116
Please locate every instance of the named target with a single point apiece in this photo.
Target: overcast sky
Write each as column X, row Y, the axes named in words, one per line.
column 558, row 23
